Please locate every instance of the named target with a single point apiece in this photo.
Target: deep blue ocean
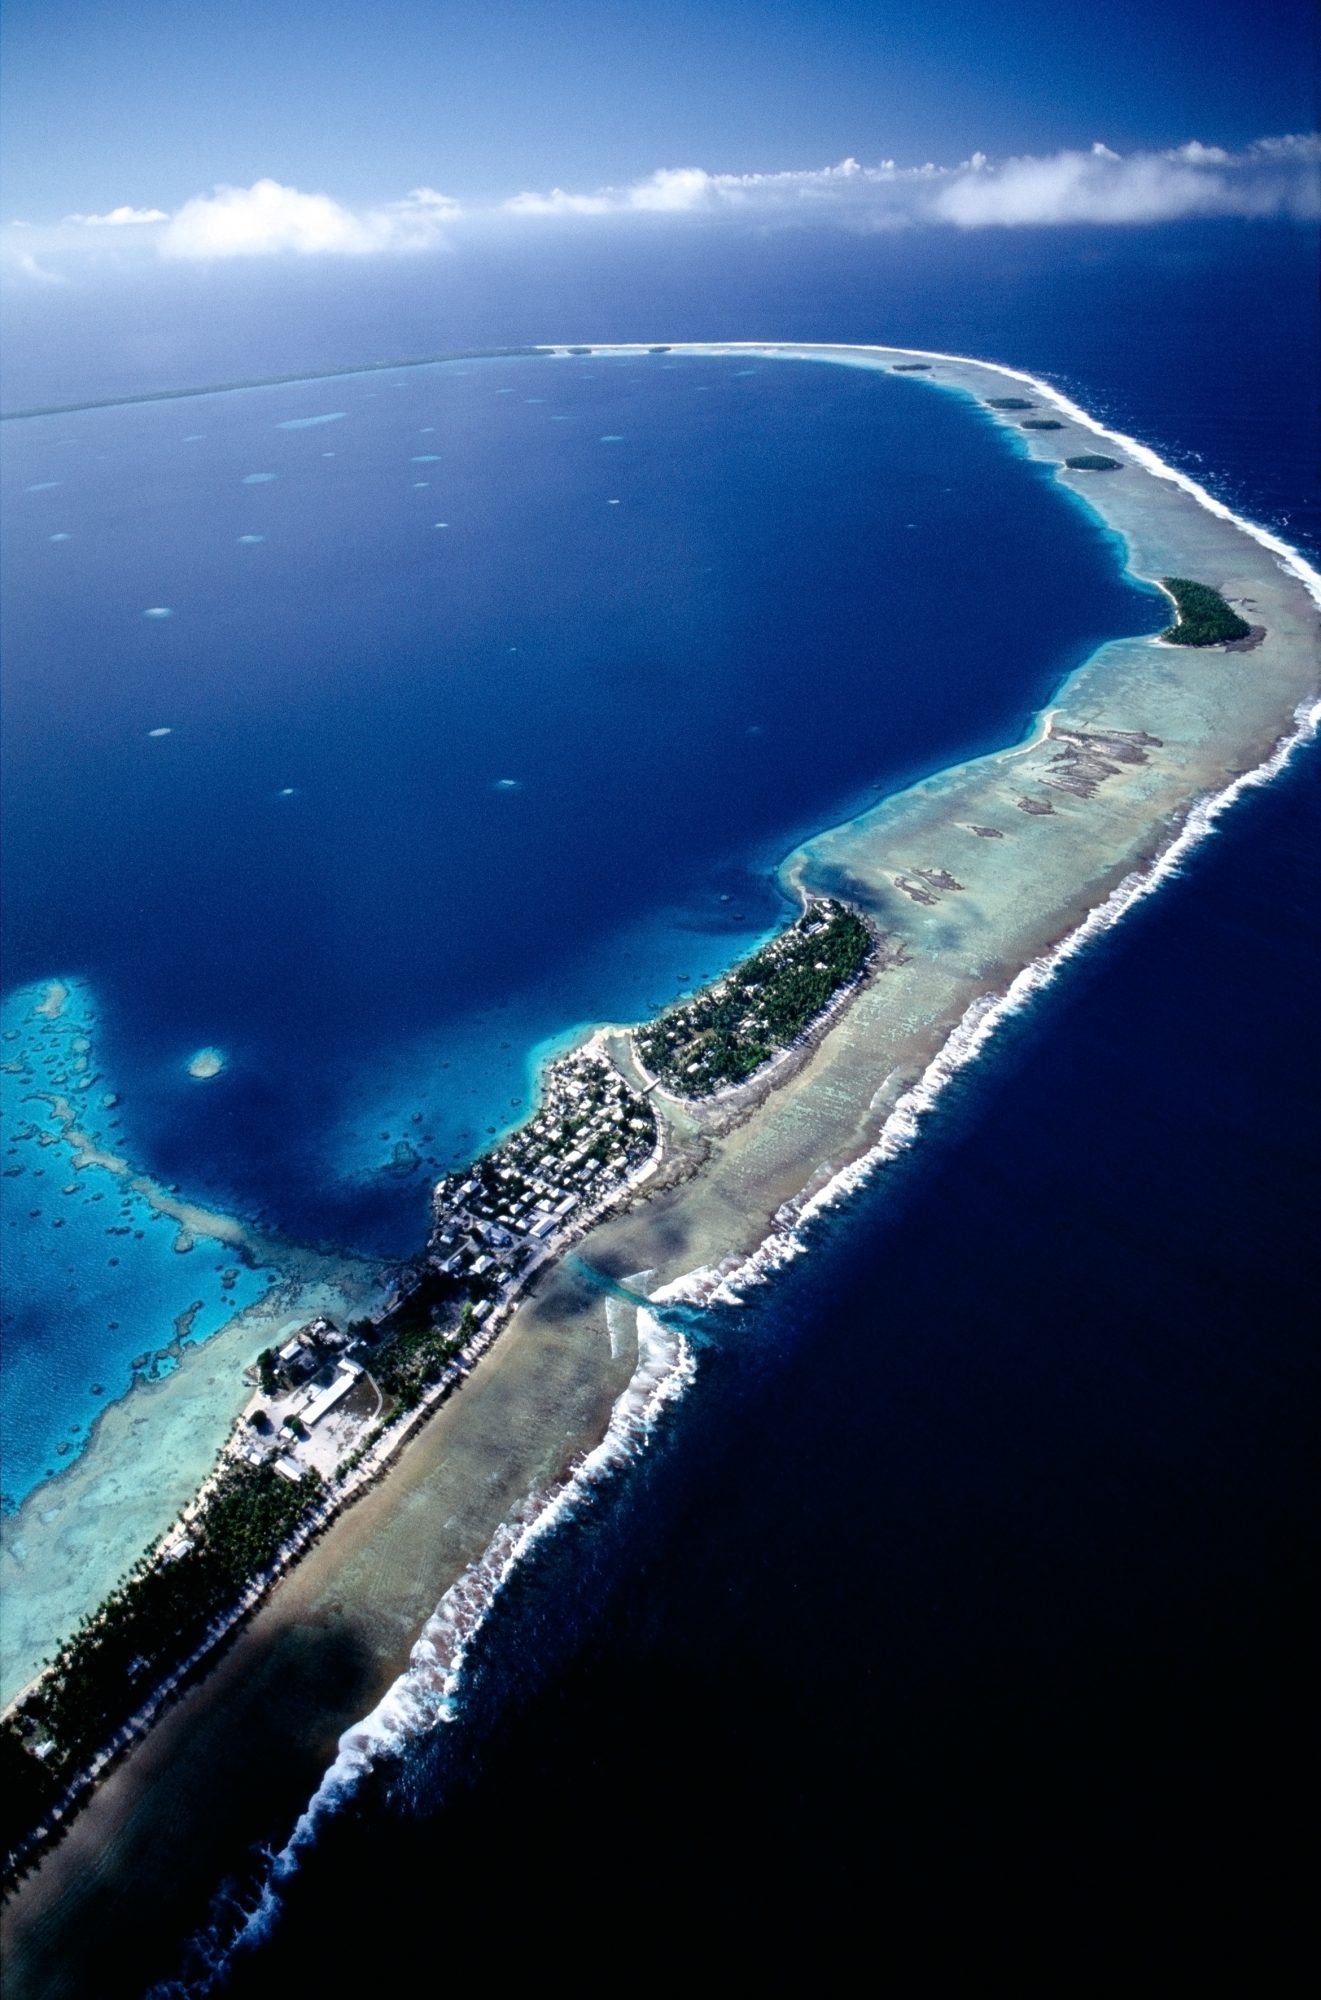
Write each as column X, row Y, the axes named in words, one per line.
column 377, row 733
column 494, row 693
column 961, row 1604
column 961, row 1615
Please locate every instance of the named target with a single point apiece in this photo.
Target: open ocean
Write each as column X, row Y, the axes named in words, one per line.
column 379, row 732
column 971, row 1568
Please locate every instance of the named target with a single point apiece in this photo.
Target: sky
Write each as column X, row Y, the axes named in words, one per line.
column 198, row 190
column 107, row 106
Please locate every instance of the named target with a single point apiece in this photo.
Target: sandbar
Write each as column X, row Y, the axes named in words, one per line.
column 1142, row 747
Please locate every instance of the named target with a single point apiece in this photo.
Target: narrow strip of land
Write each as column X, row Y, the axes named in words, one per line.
column 977, row 872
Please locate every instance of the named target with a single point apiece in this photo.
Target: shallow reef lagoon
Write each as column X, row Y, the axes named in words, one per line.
column 367, row 737
column 101, row 1289
column 964, row 1601
column 984, row 1529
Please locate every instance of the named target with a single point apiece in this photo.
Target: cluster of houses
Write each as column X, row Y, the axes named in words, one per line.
column 303, row 1384
column 591, row 1132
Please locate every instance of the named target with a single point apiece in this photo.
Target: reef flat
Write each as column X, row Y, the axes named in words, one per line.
column 215, row 1289
column 988, row 872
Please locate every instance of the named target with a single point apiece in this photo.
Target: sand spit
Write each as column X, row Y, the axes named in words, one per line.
column 1018, row 863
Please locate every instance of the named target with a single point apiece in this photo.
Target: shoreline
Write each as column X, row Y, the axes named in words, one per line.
column 986, row 1015
column 342, row 1492
column 145, row 1447
column 964, row 975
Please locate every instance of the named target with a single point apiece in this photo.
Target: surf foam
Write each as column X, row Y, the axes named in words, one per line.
column 1290, row 559
column 426, row 1694
column 988, row 1013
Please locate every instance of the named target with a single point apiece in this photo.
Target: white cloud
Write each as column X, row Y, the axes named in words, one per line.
column 118, row 218
column 31, row 268
column 267, row 220
column 1273, row 177
column 669, row 190
column 415, row 223
column 689, row 190
column 1100, row 186
column 261, row 221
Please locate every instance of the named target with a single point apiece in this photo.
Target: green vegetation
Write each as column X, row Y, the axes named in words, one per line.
column 912, row 368
column 1204, row 617
column 724, row 1034
column 146, row 1629
column 1008, row 403
column 266, row 1371
column 1093, row 461
column 411, row 1360
column 1042, row 424
column 27, row 1790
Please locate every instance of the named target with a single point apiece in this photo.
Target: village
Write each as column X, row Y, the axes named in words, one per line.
column 330, row 1404
column 325, row 1396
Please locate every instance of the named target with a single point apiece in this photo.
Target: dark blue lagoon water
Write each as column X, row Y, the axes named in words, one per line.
column 962, row 1606
column 964, row 1591
column 375, row 733
column 961, row 1610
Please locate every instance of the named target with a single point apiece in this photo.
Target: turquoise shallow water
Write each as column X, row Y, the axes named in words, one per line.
column 480, row 712
column 989, row 1531
column 96, row 1291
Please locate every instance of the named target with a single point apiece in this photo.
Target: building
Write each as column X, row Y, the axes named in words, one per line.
column 325, row 1400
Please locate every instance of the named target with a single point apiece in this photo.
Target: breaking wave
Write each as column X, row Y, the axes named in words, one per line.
column 725, row 1283
column 987, row 1014
column 425, row 1695
column 1290, row 559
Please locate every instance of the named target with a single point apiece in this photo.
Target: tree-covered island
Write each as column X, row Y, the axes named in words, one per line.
column 1204, row 617
column 326, row 1409
column 161, row 1615
column 1093, row 461
column 724, row 1034
column 1041, row 424
column 1008, row 403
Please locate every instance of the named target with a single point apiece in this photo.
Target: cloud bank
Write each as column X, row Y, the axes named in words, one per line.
column 1273, row 177
column 268, row 219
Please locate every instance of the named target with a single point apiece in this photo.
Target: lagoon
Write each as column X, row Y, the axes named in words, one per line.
column 337, row 852
column 1163, row 733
